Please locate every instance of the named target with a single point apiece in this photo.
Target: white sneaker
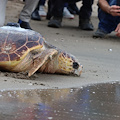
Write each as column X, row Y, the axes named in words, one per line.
column 67, row 14
column 41, row 11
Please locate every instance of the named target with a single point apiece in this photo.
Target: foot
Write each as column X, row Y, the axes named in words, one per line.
column 13, row 24
column 55, row 22
column 35, row 15
column 67, row 14
column 24, row 25
column 42, row 12
column 85, row 24
column 99, row 33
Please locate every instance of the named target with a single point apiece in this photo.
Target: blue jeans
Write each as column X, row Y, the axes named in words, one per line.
column 107, row 22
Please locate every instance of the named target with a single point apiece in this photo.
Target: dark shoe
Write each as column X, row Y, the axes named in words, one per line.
column 55, row 22
column 13, row 24
column 85, row 24
column 99, row 34
column 24, row 25
column 35, row 15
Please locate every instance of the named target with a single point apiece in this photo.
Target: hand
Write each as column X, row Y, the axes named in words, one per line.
column 114, row 10
column 118, row 30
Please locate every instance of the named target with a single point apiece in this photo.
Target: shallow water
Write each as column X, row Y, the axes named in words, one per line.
column 93, row 102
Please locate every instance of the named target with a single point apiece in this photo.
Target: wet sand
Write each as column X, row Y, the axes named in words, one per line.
column 100, row 57
column 95, row 102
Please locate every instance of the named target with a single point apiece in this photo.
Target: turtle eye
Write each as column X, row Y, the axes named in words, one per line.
column 75, row 65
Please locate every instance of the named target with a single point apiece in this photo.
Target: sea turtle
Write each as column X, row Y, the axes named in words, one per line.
column 26, row 50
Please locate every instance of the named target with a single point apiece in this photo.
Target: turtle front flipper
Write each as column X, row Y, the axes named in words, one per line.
column 41, row 59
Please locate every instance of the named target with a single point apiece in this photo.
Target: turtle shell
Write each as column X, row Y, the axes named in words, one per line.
column 16, row 43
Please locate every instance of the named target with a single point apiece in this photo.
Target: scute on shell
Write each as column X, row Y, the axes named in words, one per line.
column 15, row 44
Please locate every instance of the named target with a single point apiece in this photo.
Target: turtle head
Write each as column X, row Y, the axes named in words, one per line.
column 68, row 64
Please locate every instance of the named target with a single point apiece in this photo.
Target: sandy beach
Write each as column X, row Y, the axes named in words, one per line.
column 100, row 57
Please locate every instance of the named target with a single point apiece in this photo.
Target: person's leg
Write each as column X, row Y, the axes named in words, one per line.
column 42, row 11
column 107, row 22
column 58, row 8
column 35, row 14
column 49, row 12
column 25, row 14
column 29, row 7
column 58, row 5
column 72, row 7
column 56, row 13
column 2, row 11
column 85, row 14
column 86, row 9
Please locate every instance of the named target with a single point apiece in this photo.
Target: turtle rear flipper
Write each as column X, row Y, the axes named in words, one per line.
column 42, row 59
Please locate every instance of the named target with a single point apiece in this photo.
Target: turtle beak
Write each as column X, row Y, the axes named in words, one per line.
column 79, row 70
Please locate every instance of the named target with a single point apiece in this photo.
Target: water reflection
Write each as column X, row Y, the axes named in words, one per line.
column 96, row 102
